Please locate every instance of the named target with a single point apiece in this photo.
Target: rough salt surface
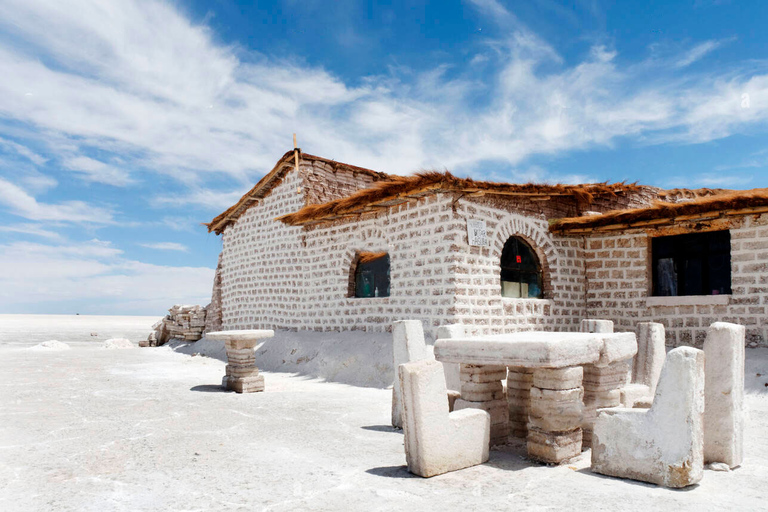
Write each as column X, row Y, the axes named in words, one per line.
column 97, row 427
column 50, row 345
column 118, row 343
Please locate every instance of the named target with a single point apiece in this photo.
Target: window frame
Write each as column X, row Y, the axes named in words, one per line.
column 703, row 248
column 521, row 268
column 370, row 259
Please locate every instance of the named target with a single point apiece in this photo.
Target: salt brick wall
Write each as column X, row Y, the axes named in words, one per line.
column 417, row 236
column 261, row 263
column 478, row 285
column 263, row 273
column 213, row 310
column 325, row 182
column 619, row 282
column 279, row 276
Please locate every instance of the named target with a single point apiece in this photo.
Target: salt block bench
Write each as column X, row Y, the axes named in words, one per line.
column 242, row 375
column 556, row 392
column 663, row 445
column 408, row 345
column 438, row 441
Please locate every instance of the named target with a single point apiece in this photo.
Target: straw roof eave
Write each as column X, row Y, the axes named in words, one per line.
column 402, row 189
column 733, row 203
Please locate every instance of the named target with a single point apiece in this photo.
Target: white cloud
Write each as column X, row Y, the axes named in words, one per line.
column 33, row 229
column 710, row 180
column 166, row 246
column 699, row 51
column 98, row 172
column 210, row 199
column 145, row 83
column 24, row 205
column 23, row 151
column 96, row 272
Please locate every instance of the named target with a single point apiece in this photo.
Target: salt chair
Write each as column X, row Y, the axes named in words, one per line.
column 647, row 366
column 663, row 445
column 438, row 441
column 407, row 345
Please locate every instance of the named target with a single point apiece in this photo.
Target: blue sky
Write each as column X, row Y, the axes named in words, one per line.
column 125, row 125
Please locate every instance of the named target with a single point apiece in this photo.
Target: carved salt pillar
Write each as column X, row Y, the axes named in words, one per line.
column 519, row 382
column 481, row 388
column 602, row 389
column 554, row 430
column 242, row 375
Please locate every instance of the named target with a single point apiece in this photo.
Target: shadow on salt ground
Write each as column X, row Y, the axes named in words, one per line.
column 588, row 471
column 383, row 428
column 210, row 388
column 505, row 459
column 392, row 472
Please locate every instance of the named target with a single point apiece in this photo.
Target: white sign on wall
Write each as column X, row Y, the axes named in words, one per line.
column 477, row 233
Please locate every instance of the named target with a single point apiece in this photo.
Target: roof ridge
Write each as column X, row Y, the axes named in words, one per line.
column 265, row 185
column 403, row 188
column 733, row 202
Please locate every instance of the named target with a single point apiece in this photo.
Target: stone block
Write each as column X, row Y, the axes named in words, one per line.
column 494, row 407
column 452, row 370
column 616, row 349
column 251, row 384
column 519, row 382
column 724, row 394
column 651, row 352
column 521, row 378
column 663, row 445
column 568, row 378
column 607, row 377
column 491, row 376
column 632, row 394
column 408, row 345
column 438, row 441
column 556, row 410
column 553, row 448
column 595, row 325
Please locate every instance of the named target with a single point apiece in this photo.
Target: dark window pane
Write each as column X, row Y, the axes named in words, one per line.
column 692, row 264
column 372, row 275
column 520, row 270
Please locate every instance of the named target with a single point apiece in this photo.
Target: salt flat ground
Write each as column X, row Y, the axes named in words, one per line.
column 151, row 429
column 27, row 330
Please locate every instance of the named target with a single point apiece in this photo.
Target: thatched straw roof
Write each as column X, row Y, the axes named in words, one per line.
column 271, row 180
column 676, row 195
column 728, row 203
column 401, row 189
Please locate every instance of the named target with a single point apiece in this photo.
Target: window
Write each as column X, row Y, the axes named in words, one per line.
column 372, row 274
column 520, row 270
column 692, row 264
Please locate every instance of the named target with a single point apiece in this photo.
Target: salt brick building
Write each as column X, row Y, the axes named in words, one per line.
column 325, row 246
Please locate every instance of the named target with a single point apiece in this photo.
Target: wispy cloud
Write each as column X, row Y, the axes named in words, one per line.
column 699, row 51
column 166, row 246
column 34, row 230
column 20, row 203
column 94, row 271
column 711, row 180
column 145, row 83
column 22, row 151
column 98, row 172
column 210, row 199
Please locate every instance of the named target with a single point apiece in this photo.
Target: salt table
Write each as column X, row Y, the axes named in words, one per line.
column 242, row 375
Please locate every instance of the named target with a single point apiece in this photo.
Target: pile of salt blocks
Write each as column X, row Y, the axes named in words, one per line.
column 183, row 322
